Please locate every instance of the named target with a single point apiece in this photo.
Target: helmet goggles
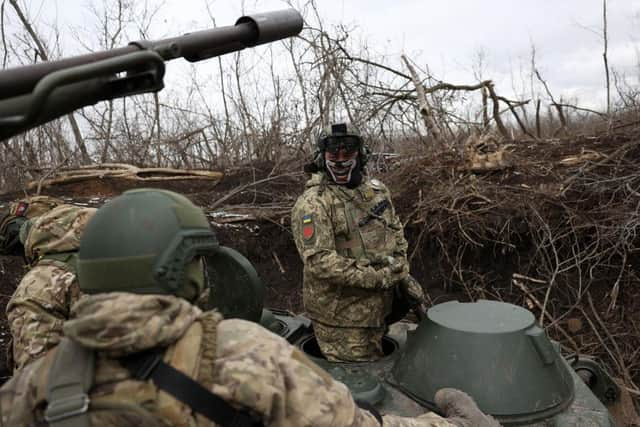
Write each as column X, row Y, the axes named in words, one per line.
column 333, row 144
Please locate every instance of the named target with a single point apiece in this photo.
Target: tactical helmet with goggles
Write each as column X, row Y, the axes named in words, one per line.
column 146, row 241
column 339, row 136
column 342, row 154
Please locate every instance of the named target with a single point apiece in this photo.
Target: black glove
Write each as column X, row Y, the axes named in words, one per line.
column 10, row 234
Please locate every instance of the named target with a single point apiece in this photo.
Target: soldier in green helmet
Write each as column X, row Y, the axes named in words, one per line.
column 46, row 233
column 353, row 249
column 42, row 301
column 137, row 352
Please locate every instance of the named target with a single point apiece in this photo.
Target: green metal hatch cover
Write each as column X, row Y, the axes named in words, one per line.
column 492, row 350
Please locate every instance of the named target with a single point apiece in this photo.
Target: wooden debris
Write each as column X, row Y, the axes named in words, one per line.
column 234, row 219
column 585, row 156
column 574, row 325
column 484, row 153
column 125, row 171
column 425, row 108
column 277, row 260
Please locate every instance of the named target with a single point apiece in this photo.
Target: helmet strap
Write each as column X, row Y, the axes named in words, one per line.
column 356, row 179
column 193, row 280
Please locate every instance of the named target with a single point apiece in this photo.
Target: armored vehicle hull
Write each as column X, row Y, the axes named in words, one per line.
column 492, row 350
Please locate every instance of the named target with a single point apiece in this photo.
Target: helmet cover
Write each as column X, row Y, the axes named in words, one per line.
column 146, row 241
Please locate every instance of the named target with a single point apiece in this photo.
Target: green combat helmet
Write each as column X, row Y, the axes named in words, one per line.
column 153, row 242
column 339, row 131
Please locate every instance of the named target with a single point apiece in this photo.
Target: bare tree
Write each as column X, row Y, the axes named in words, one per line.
column 272, row 106
column 42, row 51
column 605, row 40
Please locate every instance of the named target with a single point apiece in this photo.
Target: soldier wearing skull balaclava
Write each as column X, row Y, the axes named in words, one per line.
column 353, row 249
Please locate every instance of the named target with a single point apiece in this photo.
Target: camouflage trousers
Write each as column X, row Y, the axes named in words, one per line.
column 349, row 344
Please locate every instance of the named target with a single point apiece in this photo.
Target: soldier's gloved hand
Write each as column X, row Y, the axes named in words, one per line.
column 9, row 234
column 412, row 290
column 460, row 409
column 398, row 266
column 392, row 275
column 381, row 260
column 399, row 269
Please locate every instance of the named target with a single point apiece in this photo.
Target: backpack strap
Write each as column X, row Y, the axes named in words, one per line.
column 148, row 365
column 70, row 377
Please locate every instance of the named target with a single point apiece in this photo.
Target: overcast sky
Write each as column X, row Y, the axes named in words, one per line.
column 446, row 35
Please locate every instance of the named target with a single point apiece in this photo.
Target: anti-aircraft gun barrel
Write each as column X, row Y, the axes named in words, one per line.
column 34, row 94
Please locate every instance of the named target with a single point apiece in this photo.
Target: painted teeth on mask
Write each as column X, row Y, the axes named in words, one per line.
column 341, row 167
column 341, row 171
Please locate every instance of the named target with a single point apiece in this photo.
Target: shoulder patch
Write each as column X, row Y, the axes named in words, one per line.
column 308, row 229
column 21, row 209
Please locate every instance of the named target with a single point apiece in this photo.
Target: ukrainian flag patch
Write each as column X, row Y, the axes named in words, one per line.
column 307, row 227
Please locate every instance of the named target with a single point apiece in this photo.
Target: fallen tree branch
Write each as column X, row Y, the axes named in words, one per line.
column 425, row 109
column 241, row 188
column 588, row 110
column 520, row 285
column 125, row 171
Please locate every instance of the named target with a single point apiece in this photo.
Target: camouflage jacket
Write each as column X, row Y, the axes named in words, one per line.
column 43, row 298
column 238, row 360
column 33, row 206
column 342, row 235
column 28, row 208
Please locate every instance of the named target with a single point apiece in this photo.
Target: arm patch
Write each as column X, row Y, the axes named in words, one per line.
column 308, row 228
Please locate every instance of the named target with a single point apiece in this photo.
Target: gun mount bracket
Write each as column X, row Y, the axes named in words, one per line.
column 145, row 72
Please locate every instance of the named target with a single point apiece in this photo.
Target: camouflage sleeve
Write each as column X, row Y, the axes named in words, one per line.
column 396, row 225
column 400, row 251
column 18, row 397
column 426, row 420
column 37, row 310
column 261, row 371
column 313, row 234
